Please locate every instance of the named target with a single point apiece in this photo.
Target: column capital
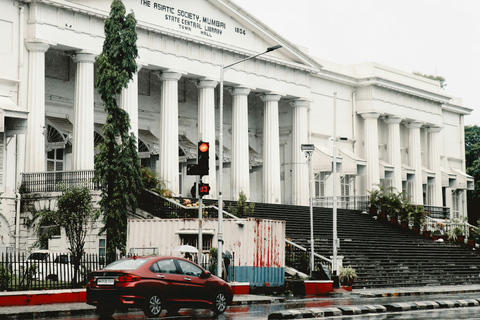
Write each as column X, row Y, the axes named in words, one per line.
column 36, row 46
column 239, row 91
column 168, row 75
column 370, row 115
column 414, row 124
column 392, row 119
column 434, row 129
column 270, row 97
column 299, row 103
column 202, row 84
column 84, row 57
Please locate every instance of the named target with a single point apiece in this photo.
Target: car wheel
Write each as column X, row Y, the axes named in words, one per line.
column 219, row 304
column 153, row 306
column 105, row 311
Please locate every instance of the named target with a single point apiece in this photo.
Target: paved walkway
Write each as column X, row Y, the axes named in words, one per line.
column 59, row 310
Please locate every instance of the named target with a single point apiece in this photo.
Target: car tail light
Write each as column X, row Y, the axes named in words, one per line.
column 91, row 278
column 127, row 278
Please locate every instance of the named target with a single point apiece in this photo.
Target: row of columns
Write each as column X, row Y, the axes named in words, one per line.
column 394, row 155
column 168, row 168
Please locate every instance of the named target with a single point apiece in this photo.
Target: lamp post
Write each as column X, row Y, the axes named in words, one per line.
column 308, row 149
column 334, row 176
column 223, row 69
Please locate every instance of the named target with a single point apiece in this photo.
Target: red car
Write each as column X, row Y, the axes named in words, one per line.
column 155, row 284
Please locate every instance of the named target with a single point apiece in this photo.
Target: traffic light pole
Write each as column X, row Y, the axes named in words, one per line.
column 200, row 222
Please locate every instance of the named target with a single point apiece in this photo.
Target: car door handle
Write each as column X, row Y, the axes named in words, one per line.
column 187, row 279
column 160, row 276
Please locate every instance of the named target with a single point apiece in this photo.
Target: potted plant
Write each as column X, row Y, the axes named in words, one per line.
column 374, row 201
column 417, row 215
column 404, row 212
column 347, row 275
column 472, row 235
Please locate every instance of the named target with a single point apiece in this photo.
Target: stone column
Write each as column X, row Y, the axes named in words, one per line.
column 271, row 150
column 129, row 102
column 393, row 150
column 300, row 178
column 240, row 170
column 371, row 149
column 35, row 139
column 83, row 106
column 415, row 160
column 206, row 129
column 168, row 149
column 434, row 163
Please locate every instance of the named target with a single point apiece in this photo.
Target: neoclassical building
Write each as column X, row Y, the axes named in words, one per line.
column 392, row 128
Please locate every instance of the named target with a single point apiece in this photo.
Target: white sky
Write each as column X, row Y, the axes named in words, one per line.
column 439, row 37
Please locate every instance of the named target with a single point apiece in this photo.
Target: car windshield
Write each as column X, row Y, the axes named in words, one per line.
column 127, row 264
column 38, row 256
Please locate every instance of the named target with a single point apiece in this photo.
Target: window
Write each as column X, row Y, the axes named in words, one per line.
column 192, row 239
column 190, row 269
column 102, row 244
column 164, row 266
column 455, row 204
column 55, row 160
column 320, row 180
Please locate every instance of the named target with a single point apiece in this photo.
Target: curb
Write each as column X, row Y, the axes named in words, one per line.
column 371, row 309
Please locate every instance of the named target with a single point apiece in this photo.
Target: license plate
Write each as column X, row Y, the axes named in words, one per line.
column 105, row 282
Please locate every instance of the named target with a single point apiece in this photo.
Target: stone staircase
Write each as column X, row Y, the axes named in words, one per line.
column 384, row 255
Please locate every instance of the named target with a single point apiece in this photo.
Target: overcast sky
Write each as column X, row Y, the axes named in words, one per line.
column 439, row 37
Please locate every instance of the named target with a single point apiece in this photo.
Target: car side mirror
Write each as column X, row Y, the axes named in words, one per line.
column 206, row 274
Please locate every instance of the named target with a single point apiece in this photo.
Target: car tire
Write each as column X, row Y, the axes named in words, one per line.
column 105, row 311
column 153, row 306
column 219, row 303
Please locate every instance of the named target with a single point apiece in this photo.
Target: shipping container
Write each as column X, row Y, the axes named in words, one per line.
column 256, row 246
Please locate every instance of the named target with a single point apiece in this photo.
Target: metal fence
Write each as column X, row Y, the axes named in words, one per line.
column 344, row 202
column 50, row 181
column 45, row 270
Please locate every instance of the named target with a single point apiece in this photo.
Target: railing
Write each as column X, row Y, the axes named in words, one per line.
column 344, row 202
column 52, row 271
column 437, row 212
column 50, row 181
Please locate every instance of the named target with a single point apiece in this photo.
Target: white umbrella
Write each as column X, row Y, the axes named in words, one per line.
column 186, row 248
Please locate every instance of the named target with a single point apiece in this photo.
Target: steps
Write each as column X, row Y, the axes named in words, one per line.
column 382, row 254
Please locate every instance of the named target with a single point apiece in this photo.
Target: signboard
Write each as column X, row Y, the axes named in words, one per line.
column 197, row 18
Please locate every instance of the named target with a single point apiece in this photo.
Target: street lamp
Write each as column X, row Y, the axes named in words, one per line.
column 334, row 176
column 223, row 69
column 308, row 149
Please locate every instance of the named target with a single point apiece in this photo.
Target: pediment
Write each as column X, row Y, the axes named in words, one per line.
column 219, row 23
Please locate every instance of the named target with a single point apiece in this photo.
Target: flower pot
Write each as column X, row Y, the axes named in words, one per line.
column 405, row 224
column 461, row 239
column 426, row 233
column 393, row 220
column 471, row 243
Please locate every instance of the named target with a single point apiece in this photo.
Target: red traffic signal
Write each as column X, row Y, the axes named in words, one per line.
column 201, row 168
column 203, row 189
column 203, row 156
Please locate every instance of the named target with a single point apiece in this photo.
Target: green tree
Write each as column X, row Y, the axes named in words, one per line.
column 472, row 157
column 117, row 166
column 242, row 208
column 76, row 215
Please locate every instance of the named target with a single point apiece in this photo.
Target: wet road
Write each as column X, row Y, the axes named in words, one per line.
column 261, row 311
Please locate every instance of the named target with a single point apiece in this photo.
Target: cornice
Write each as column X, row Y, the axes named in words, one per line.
column 311, row 65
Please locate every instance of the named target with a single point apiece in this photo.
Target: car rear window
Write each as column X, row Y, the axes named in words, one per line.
column 127, row 264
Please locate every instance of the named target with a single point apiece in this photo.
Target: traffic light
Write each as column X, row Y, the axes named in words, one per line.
column 201, row 168
column 202, row 156
column 203, row 189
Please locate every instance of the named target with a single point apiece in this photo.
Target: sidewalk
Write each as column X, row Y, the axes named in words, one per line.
column 82, row 309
